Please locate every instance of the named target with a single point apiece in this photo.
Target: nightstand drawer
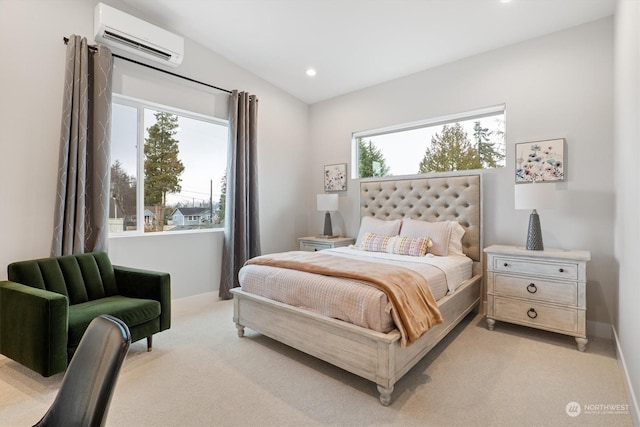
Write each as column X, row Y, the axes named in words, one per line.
column 559, row 270
column 565, row 293
column 312, row 247
column 536, row 314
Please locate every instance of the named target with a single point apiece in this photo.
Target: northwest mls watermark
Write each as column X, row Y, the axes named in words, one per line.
column 575, row 409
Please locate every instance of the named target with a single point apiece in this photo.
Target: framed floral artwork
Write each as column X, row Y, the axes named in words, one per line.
column 540, row 161
column 335, row 177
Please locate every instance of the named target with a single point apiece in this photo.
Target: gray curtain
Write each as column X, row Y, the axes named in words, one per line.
column 81, row 215
column 242, row 227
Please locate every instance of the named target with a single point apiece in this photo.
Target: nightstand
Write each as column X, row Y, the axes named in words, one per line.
column 541, row 289
column 318, row 243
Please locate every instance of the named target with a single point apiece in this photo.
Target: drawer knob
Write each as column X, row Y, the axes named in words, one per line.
column 532, row 289
column 561, row 270
column 506, row 264
column 532, row 313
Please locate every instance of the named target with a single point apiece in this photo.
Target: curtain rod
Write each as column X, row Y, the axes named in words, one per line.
column 94, row 48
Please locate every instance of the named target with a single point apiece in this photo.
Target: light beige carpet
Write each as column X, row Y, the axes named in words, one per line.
column 201, row 374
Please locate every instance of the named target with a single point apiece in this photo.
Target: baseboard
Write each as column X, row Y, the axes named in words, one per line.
column 634, row 409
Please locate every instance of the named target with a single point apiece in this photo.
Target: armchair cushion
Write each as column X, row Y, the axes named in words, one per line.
column 47, row 304
column 132, row 311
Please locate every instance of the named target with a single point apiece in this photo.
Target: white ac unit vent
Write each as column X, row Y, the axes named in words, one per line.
column 117, row 29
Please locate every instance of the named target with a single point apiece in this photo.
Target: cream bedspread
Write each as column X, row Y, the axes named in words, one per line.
column 348, row 300
column 413, row 306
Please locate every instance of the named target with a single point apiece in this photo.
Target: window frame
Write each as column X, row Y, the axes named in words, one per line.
column 140, row 105
column 435, row 121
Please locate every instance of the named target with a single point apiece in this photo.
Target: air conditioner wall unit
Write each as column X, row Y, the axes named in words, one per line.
column 117, row 29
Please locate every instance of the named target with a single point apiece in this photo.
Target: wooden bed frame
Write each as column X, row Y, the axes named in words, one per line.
column 376, row 356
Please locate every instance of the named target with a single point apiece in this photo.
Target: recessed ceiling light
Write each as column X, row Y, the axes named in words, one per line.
column 505, row 1
column 311, row 72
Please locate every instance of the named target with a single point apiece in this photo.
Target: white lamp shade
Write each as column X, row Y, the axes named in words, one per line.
column 327, row 202
column 534, row 196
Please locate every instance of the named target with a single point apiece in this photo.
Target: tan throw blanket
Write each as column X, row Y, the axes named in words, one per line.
column 413, row 306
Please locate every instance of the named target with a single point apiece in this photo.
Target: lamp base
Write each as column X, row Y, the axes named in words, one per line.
column 534, row 235
column 328, row 231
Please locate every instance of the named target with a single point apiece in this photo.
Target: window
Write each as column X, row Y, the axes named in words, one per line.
column 168, row 168
column 473, row 140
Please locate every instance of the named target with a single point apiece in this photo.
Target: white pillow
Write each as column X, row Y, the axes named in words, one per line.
column 439, row 232
column 378, row 226
column 455, row 244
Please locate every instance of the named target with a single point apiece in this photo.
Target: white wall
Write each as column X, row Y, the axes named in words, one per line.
column 558, row 86
column 192, row 258
column 626, row 161
column 31, row 80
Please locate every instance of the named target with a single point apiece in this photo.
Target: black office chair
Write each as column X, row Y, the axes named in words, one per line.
column 88, row 384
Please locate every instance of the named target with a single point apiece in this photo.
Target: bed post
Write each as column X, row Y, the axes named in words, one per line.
column 236, row 315
column 385, row 394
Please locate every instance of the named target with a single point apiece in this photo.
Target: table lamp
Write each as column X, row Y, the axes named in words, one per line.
column 534, row 196
column 327, row 203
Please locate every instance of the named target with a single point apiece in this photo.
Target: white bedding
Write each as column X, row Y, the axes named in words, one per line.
column 456, row 268
column 351, row 300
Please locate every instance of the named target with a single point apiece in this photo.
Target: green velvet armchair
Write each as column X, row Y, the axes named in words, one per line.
column 47, row 304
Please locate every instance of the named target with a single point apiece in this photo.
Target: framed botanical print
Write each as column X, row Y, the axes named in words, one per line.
column 335, row 177
column 540, row 161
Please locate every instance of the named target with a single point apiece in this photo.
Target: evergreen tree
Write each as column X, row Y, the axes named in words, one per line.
column 450, row 151
column 162, row 167
column 490, row 157
column 370, row 159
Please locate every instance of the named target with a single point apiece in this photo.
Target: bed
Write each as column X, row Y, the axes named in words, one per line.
column 378, row 356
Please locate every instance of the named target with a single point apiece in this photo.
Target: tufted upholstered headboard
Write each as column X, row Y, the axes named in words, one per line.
column 456, row 198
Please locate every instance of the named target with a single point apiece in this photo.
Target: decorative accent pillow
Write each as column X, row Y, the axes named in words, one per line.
column 378, row 226
column 373, row 242
column 439, row 232
column 395, row 244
